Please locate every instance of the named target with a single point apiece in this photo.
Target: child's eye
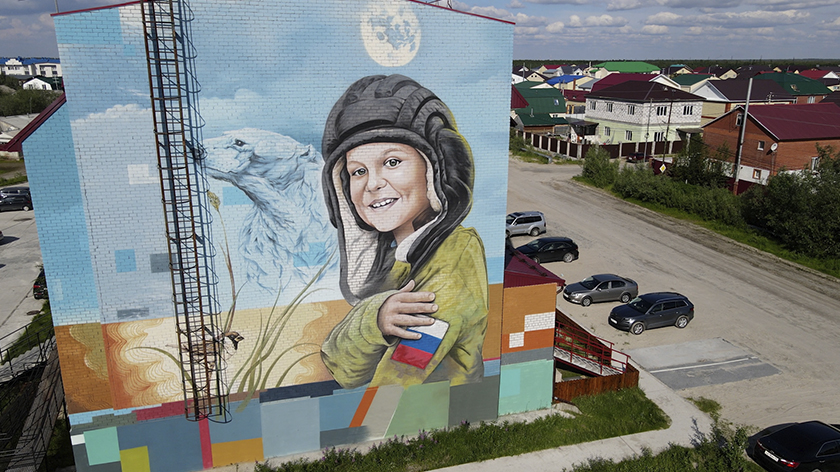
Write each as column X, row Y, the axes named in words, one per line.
column 392, row 162
column 359, row 172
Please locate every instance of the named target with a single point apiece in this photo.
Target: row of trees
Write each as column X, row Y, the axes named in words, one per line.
column 17, row 101
column 801, row 210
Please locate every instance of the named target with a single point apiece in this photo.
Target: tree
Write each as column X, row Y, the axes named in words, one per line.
column 598, row 168
column 693, row 165
column 26, row 101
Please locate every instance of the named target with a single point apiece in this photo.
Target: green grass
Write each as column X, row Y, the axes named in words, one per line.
column 38, row 330
column 602, row 416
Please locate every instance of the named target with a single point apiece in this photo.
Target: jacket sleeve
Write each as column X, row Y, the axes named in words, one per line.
column 355, row 346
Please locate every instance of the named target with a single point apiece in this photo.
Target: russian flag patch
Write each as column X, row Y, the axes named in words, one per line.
column 418, row 352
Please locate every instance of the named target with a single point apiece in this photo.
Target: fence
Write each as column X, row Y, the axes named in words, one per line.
column 569, row 390
column 578, row 150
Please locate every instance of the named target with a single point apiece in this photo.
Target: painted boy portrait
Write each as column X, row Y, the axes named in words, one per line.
column 398, row 181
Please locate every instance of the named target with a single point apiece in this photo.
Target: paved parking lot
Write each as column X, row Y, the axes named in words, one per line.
column 20, row 260
column 783, row 319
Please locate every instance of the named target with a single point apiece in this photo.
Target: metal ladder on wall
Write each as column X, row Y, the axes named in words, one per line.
column 180, row 154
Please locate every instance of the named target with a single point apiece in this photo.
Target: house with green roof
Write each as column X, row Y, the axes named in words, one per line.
column 805, row 90
column 546, row 108
column 624, row 67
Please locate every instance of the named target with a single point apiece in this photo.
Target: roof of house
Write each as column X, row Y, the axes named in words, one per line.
column 628, row 67
column 807, row 121
column 539, row 119
column 762, row 90
column 814, row 73
column 576, row 95
column 564, row 79
column 717, row 71
column 833, row 97
column 615, row 79
column 30, row 60
column 795, row 84
column 16, row 143
column 752, row 70
column 516, row 98
column 644, row 92
column 690, row 79
column 541, row 100
column 674, row 68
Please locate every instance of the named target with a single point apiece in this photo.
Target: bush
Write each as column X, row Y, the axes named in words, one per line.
column 597, row 167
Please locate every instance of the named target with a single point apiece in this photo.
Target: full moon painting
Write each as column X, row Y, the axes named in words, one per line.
column 391, row 33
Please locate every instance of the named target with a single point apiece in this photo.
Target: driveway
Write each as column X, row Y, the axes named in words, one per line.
column 783, row 320
column 20, row 259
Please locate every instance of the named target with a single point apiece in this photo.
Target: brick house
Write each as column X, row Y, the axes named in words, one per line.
column 777, row 137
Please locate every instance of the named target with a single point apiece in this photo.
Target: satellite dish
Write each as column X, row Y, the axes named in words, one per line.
column 773, row 147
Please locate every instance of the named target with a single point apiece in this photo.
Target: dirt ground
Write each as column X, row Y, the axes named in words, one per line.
column 780, row 315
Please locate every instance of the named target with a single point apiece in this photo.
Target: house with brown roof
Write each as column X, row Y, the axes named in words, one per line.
column 776, row 137
column 724, row 95
column 643, row 112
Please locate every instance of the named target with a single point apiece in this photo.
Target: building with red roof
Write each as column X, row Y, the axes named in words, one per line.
column 777, row 137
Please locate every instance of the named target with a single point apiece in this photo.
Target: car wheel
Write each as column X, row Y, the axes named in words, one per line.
column 535, row 231
column 625, row 297
column 536, row 259
column 26, row 208
column 637, row 328
column 568, row 257
column 682, row 322
column 586, row 301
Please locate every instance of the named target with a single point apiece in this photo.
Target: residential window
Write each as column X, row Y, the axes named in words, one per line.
column 659, row 136
column 688, row 110
column 757, row 174
column 815, row 163
column 812, row 99
column 556, row 102
column 607, row 130
column 631, row 109
column 661, row 110
column 593, row 102
column 628, row 135
column 609, row 106
column 761, row 145
column 739, row 119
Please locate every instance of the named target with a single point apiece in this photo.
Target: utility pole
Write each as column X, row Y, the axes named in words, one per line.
column 741, row 138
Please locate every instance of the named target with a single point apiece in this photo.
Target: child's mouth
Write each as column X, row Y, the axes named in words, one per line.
column 382, row 203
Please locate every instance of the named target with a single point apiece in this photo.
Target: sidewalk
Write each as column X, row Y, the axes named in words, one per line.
column 687, row 422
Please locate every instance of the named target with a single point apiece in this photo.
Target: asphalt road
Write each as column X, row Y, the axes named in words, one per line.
column 20, row 260
column 782, row 320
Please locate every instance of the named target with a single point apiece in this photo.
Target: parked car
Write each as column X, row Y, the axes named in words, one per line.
column 638, row 157
column 16, row 191
column 601, row 288
column 525, row 222
column 39, row 288
column 653, row 310
column 550, row 250
column 16, row 202
column 810, row 446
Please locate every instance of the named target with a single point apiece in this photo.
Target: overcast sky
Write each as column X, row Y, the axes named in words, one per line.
column 571, row 29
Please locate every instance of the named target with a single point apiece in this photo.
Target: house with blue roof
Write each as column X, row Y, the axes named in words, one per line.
column 30, row 66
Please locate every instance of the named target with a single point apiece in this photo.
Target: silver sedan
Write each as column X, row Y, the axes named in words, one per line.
column 601, row 288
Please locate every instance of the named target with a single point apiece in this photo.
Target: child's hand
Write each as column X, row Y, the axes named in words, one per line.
column 397, row 313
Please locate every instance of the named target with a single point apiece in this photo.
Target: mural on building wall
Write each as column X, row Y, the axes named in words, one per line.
column 398, row 181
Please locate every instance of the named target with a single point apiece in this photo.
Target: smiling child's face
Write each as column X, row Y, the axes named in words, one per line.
column 388, row 186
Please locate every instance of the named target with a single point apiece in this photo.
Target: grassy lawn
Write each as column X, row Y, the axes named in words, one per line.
column 602, row 416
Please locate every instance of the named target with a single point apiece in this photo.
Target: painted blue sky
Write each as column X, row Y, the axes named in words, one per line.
column 571, row 29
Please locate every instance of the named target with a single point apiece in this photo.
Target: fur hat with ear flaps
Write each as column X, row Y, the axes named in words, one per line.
column 393, row 109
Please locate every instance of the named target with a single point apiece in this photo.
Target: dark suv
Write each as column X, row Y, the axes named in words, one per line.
column 14, row 191
column 652, row 310
column 15, row 202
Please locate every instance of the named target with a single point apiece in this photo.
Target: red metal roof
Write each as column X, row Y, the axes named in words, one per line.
column 522, row 271
column 516, row 99
column 814, row 74
column 16, row 143
column 615, row 79
column 795, row 122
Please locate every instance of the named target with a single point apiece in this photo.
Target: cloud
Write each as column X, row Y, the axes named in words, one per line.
column 625, row 5
column 560, row 2
column 830, row 25
column 555, row 27
column 654, row 29
column 748, row 19
column 516, row 4
column 777, row 5
column 707, row 5
column 521, row 19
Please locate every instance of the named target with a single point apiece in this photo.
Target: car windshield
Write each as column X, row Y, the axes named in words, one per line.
column 589, row 282
column 534, row 244
column 639, row 305
column 509, row 219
